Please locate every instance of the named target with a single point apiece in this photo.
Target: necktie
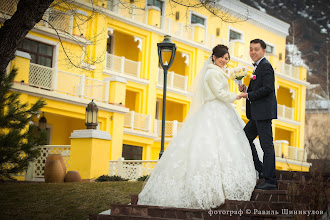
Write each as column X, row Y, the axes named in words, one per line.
column 254, row 64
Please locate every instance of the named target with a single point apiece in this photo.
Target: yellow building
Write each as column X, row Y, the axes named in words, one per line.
column 116, row 64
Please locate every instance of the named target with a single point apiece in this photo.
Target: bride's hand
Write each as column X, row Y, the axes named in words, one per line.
column 242, row 95
column 238, row 97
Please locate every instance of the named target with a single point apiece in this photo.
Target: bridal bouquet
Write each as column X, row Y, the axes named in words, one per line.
column 238, row 73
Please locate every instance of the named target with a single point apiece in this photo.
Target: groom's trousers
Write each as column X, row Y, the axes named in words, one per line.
column 263, row 128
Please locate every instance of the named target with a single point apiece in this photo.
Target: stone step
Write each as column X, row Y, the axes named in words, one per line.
column 238, row 209
column 297, row 175
column 123, row 217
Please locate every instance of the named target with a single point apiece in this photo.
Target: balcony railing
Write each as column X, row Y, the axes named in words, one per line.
column 174, row 80
column 297, row 154
column 289, row 70
column 36, row 169
column 137, row 121
column 171, row 128
column 282, row 149
column 60, row 20
column 131, row 169
column 122, row 65
column 68, row 83
column 285, row 112
column 8, row 7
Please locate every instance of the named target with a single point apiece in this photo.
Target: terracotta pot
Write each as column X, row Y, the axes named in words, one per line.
column 55, row 170
column 72, row 176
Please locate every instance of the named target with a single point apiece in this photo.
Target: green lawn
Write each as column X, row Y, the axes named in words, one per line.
column 62, row 200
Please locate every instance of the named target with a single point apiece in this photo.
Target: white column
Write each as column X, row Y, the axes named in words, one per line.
column 169, row 26
column 132, row 119
column 29, row 175
column 156, row 127
column 55, row 75
column 71, row 24
column 139, row 69
column 107, row 89
column 122, row 62
column 174, row 128
column 171, row 79
column 82, row 85
column 120, row 165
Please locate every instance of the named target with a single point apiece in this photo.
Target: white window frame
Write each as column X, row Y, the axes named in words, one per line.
column 49, row 42
column 199, row 15
column 238, row 31
column 112, row 40
column 272, row 45
column 156, row 8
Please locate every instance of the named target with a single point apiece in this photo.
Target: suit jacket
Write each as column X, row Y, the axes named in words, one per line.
column 261, row 103
column 216, row 85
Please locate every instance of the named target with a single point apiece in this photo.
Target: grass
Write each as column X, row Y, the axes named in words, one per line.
column 62, row 200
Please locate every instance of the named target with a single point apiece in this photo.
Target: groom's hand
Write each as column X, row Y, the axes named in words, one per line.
column 242, row 88
column 242, row 95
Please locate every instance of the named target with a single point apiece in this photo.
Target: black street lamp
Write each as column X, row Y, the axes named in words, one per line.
column 91, row 115
column 165, row 46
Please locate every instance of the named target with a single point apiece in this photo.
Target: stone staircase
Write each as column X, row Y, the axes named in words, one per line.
column 296, row 191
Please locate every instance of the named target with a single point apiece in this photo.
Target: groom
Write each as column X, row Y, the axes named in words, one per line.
column 261, row 108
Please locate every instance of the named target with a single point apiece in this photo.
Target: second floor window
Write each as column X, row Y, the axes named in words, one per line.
column 156, row 3
column 269, row 49
column 233, row 35
column 41, row 53
column 197, row 20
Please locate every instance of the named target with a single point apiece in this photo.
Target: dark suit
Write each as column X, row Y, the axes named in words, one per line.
column 261, row 108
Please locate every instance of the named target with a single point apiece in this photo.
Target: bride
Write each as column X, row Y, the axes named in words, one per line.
column 210, row 159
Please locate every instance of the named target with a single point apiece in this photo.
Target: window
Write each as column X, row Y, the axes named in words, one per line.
column 269, row 49
column 233, row 35
column 131, row 152
column 157, row 3
column 109, row 44
column 41, row 53
column 197, row 20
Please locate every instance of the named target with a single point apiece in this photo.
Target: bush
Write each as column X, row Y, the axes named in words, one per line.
column 105, row 178
column 143, row 178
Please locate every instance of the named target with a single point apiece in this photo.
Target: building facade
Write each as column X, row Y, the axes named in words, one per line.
column 108, row 52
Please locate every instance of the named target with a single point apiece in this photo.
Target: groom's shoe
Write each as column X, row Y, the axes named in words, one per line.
column 266, row 186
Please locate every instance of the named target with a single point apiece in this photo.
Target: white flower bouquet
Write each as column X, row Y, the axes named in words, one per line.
column 237, row 74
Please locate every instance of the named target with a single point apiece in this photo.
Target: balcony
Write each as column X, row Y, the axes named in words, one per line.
column 282, row 149
column 68, row 83
column 137, row 121
column 122, row 66
column 171, row 128
column 284, row 112
column 174, row 80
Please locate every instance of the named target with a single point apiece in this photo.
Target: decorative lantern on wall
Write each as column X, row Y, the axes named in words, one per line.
column 91, row 115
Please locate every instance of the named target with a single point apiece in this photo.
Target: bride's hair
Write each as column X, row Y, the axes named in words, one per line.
column 219, row 51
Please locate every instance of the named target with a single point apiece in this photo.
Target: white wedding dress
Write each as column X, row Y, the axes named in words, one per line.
column 209, row 160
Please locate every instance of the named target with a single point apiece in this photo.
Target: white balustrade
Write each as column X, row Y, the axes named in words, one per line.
column 60, row 20
column 36, row 168
column 174, row 80
column 278, row 149
column 292, row 153
column 131, row 169
column 289, row 69
column 68, row 83
column 285, row 112
column 8, row 7
column 171, row 128
column 122, row 65
column 41, row 76
column 131, row 11
column 137, row 121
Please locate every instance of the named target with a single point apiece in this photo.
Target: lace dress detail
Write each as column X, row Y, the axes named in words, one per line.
column 210, row 160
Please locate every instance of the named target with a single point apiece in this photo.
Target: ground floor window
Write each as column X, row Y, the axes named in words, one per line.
column 131, row 152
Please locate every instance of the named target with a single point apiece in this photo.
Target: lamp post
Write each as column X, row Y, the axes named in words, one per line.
column 165, row 46
column 91, row 115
